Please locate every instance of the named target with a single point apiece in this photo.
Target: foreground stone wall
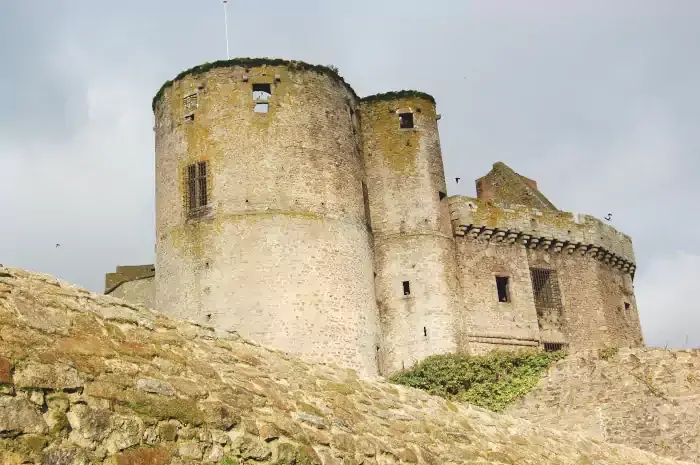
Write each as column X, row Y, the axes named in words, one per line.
column 89, row 379
column 646, row 398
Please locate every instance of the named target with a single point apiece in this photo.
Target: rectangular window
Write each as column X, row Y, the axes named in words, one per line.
column 190, row 105
column 545, row 289
column 502, row 289
column 406, row 120
column 262, row 92
column 261, row 107
column 406, row 288
column 627, row 306
column 197, row 186
column 441, row 195
column 553, row 346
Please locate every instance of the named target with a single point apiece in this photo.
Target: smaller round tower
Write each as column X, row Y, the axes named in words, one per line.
column 416, row 281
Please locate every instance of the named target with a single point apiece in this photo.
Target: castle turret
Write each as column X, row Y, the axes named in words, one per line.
column 261, row 220
column 415, row 263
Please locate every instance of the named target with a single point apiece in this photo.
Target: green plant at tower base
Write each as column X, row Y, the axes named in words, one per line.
column 493, row 381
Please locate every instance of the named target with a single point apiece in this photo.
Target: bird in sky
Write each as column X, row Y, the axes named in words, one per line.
column 457, row 180
column 608, row 217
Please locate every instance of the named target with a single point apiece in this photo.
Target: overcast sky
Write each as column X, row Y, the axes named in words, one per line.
column 599, row 101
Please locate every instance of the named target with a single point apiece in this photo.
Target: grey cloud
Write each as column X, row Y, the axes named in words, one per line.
column 596, row 100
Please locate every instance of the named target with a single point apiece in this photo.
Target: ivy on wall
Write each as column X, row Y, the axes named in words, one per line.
column 493, row 381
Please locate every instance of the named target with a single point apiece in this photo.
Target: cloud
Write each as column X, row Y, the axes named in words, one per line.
column 666, row 297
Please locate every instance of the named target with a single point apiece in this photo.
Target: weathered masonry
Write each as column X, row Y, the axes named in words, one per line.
column 318, row 223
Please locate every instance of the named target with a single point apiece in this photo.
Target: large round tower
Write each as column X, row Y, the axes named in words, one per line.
column 260, row 215
column 416, row 279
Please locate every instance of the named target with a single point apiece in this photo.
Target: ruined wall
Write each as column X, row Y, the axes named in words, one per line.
column 282, row 253
column 412, row 232
column 140, row 291
column 590, row 263
column 646, row 398
column 489, row 323
column 89, row 379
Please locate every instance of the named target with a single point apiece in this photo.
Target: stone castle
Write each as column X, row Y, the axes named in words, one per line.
column 318, row 223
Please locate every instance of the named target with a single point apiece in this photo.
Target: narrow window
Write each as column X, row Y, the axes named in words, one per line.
column 262, row 107
column 406, row 288
column 197, row 186
column 425, row 331
column 190, row 105
column 365, row 198
column 627, row 306
column 502, row 289
column 441, row 195
column 406, row 120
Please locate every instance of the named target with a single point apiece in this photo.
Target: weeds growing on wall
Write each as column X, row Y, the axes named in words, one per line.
column 331, row 71
column 492, row 381
column 394, row 95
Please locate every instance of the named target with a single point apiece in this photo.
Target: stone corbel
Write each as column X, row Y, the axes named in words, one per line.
column 512, row 237
column 533, row 242
column 486, row 234
column 558, row 245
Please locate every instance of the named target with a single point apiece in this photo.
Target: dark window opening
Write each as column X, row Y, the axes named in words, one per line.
column 189, row 117
column 553, row 346
column 406, row 288
column 262, row 108
column 365, row 198
column 190, row 105
column 197, row 186
column 262, row 92
column 627, row 306
column 442, row 195
column 502, row 288
column 425, row 331
column 208, row 316
column 406, row 120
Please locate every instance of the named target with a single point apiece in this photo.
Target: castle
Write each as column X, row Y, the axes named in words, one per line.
column 318, row 223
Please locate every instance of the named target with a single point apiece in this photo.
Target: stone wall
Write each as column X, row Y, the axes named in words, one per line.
column 646, row 398
column 415, row 281
column 88, row 379
column 282, row 252
column 593, row 303
column 140, row 291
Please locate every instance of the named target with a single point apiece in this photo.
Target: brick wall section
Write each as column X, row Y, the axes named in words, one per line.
column 646, row 398
column 284, row 254
column 412, row 232
column 491, row 324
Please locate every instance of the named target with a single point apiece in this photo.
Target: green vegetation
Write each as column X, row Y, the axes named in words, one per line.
column 493, row 381
column 228, row 461
column 397, row 95
column 607, row 353
column 331, row 71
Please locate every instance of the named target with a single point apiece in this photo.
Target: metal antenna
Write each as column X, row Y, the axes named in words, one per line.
column 228, row 57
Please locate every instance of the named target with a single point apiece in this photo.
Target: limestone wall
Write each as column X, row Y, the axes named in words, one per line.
column 139, row 291
column 412, row 232
column 88, row 379
column 282, row 252
column 646, row 398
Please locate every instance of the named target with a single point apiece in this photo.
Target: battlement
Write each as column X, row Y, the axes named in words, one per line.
column 551, row 230
column 128, row 273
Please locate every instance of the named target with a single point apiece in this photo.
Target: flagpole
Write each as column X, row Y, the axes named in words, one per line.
column 228, row 56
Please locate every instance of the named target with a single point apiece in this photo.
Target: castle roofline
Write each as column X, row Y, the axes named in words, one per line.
column 394, row 95
column 292, row 64
column 252, row 62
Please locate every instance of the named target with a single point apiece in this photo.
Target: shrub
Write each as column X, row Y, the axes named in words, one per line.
column 493, row 381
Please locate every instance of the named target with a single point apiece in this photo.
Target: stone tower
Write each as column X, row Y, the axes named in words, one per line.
column 415, row 266
column 261, row 219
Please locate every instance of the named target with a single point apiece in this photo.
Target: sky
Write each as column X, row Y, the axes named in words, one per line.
column 596, row 100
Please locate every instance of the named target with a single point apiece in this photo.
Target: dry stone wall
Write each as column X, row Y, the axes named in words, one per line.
column 646, row 398
column 89, row 379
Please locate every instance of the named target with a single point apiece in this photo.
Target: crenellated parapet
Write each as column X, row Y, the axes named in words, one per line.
column 553, row 231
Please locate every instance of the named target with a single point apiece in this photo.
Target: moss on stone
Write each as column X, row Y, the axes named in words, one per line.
column 254, row 62
column 395, row 95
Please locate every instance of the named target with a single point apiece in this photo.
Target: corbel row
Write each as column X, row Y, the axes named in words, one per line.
column 549, row 244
